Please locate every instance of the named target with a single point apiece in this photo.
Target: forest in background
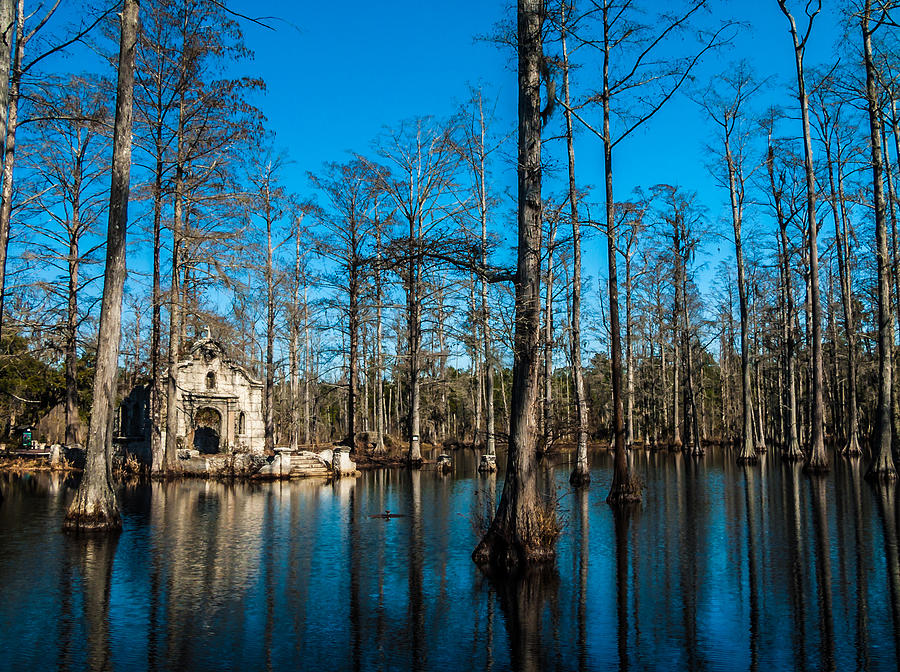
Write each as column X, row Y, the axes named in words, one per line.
column 377, row 298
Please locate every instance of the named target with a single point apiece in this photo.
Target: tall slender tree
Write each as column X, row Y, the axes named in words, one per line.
column 94, row 506
column 816, row 457
column 882, row 465
column 523, row 531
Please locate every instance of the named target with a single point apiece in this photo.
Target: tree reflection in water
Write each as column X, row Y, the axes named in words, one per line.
column 95, row 569
column 724, row 567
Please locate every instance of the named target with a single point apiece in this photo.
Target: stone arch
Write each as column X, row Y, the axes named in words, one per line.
column 211, row 380
column 207, row 430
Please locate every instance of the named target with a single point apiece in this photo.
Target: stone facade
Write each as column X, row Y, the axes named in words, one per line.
column 219, row 407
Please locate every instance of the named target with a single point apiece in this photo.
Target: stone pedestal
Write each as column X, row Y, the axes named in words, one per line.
column 488, row 463
column 342, row 464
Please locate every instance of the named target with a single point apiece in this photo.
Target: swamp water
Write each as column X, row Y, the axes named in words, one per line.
column 722, row 568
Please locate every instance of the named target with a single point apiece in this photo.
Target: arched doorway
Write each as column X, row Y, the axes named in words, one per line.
column 207, row 427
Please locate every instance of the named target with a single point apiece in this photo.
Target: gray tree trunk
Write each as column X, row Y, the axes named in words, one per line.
column 882, row 466
column 11, row 112
column 524, row 529
column 581, row 474
column 816, row 458
column 94, row 506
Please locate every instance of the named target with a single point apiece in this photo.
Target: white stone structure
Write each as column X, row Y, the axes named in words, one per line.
column 218, row 406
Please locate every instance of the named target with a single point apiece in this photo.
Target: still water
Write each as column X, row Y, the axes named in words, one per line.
column 722, row 568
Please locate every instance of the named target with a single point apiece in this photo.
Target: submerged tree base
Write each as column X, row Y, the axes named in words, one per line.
column 792, row 453
column 852, row 448
column 510, row 547
column 881, row 474
column 495, row 553
column 628, row 492
column 816, row 465
column 748, row 459
column 92, row 514
column 580, row 477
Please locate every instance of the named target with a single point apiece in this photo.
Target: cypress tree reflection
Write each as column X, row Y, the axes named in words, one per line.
column 96, row 565
column 523, row 598
column 416, row 571
column 886, row 495
column 752, row 561
column 823, row 573
column 584, row 532
column 622, row 518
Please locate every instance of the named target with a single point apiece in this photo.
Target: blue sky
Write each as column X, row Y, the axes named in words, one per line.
column 338, row 73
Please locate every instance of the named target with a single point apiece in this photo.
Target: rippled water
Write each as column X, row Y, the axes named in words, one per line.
column 723, row 567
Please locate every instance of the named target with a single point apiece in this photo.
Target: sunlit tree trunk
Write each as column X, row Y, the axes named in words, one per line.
column 94, row 506
column 624, row 488
column 816, row 458
column 882, row 465
column 581, row 473
column 524, row 529
column 11, row 114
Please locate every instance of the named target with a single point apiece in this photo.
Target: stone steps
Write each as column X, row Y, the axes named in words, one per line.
column 305, row 466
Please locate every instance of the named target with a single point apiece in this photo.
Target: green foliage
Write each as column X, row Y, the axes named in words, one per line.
column 30, row 386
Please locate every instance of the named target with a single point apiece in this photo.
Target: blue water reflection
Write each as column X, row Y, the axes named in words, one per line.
column 723, row 567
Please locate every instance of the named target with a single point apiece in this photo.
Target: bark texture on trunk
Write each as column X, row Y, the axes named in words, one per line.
column 791, row 449
column 625, row 488
column 11, row 114
column 581, row 474
column 524, row 529
column 94, row 507
column 747, row 453
column 882, row 466
column 816, row 457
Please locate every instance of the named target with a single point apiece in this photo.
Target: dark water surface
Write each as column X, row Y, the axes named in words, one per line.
column 722, row 568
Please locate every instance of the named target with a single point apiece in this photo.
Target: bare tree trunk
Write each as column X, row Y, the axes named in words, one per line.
column 269, row 400
column 71, row 347
column 353, row 361
column 695, row 446
column 882, row 466
column 747, row 454
column 11, row 113
column 817, row 458
column 895, row 260
column 307, row 371
column 7, row 33
column 477, row 368
column 490, row 419
column 676, row 341
column 94, row 507
column 524, row 529
column 851, row 447
column 548, row 343
column 176, row 308
column 624, row 489
column 414, row 325
column 629, row 350
column 294, row 348
column 379, row 347
column 791, row 450
column 581, row 474
column 156, row 448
